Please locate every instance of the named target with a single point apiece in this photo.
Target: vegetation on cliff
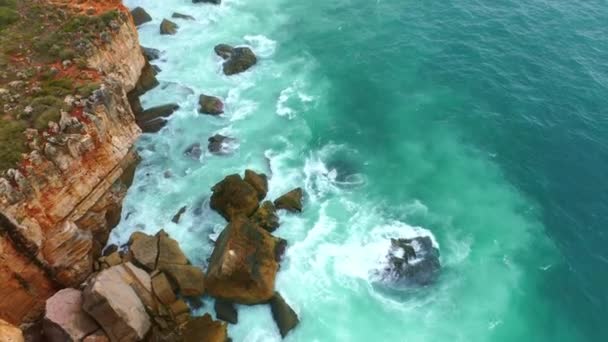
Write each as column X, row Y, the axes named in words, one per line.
column 44, row 48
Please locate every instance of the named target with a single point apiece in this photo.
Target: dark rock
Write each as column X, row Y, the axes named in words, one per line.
column 179, row 214
column 182, row 16
column 291, row 201
column 110, row 249
column 210, row 105
column 218, row 144
column 279, row 249
column 242, row 267
column 194, row 151
column 241, row 59
column 412, row 262
column 152, row 119
column 266, row 216
column 283, row 314
column 135, row 103
column 150, row 53
column 199, row 329
column 224, row 50
column 140, row 16
column 234, row 197
column 259, row 181
column 215, row 2
column 168, row 27
column 226, row 311
column 147, row 81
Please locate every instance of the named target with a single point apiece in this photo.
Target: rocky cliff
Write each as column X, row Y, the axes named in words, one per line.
column 59, row 203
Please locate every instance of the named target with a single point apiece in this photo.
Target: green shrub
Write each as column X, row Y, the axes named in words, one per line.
column 12, row 143
column 8, row 3
column 42, row 120
column 7, row 17
column 87, row 89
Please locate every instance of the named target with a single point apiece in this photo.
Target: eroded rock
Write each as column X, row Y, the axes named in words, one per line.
column 167, row 27
column 210, row 105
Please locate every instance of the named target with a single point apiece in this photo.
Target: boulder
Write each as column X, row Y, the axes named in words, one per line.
column 150, row 53
column 162, row 289
column 411, row 262
column 169, row 252
column 283, row 314
column 210, row 105
column 167, row 27
column 266, row 216
column 242, row 268
column 182, row 16
column 140, row 16
column 226, row 311
column 144, row 250
column 205, row 329
column 223, row 50
column 259, row 181
column 194, row 151
column 189, row 280
column 10, row 333
column 112, row 298
column 234, row 197
column 179, row 214
column 219, row 144
column 241, row 59
column 153, row 119
column 291, row 201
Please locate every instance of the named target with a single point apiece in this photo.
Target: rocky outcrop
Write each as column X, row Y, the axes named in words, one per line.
column 411, row 262
column 140, row 16
column 237, row 59
column 167, row 27
column 210, row 105
column 64, row 318
column 283, row 314
column 291, row 201
column 243, row 266
column 233, row 197
column 58, row 205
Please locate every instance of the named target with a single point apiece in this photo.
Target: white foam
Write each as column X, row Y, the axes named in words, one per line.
column 262, row 46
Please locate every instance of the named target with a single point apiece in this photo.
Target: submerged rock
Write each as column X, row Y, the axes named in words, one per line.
column 210, row 105
column 223, row 50
column 233, row 197
column 291, row 201
column 140, row 16
column 167, row 27
column 182, row 16
column 243, row 265
column 150, row 53
column 179, row 214
column 412, row 262
column 215, row 2
column 194, row 151
column 220, row 145
column 153, row 119
column 241, row 59
column 283, row 314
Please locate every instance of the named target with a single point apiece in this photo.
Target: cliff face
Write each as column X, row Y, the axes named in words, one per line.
column 58, row 206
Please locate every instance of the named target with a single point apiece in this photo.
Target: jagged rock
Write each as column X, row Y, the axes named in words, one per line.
column 412, row 262
column 153, row 119
column 205, row 329
column 283, row 314
column 189, row 280
column 150, row 53
column 179, row 214
column 112, row 299
column 194, row 151
column 10, row 333
column 242, row 268
column 241, row 59
column 219, row 144
column 169, row 252
column 259, row 181
column 226, row 311
column 146, row 82
column 291, row 201
column 65, row 320
column 144, row 250
column 168, row 27
column 210, row 105
column 162, row 289
column 182, row 16
column 223, row 50
column 266, row 216
column 234, row 197
column 140, row 16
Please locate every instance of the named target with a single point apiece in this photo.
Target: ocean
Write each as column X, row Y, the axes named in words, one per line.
column 481, row 123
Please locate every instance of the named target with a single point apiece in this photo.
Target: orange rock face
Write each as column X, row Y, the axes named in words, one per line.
column 243, row 265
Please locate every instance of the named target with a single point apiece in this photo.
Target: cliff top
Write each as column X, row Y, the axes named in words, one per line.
column 44, row 49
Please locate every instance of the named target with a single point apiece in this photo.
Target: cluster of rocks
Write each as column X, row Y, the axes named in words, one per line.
column 137, row 294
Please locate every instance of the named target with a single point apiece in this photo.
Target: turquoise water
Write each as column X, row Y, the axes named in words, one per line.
column 481, row 123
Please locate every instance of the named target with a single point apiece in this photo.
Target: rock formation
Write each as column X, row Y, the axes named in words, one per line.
column 291, row 201
column 237, row 59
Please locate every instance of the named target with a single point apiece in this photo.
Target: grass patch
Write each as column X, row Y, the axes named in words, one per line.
column 8, row 16
column 12, row 143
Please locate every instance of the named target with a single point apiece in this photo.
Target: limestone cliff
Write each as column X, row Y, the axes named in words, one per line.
column 58, row 206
